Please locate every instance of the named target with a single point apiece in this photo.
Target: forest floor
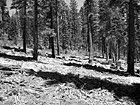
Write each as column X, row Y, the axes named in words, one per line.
column 65, row 80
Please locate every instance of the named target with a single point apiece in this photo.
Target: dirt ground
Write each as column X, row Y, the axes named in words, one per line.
column 65, row 80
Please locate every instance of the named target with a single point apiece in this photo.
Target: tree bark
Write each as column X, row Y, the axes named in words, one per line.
column 18, row 23
column 90, row 42
column 107, row 52
column 103, row 46
column 110, row 51
column 57, row 24
column 89, row 37
column 35, row 53
column 52, row 37
column 131, row 39
column 119, row 50
column 3, row 10
column 24, row 29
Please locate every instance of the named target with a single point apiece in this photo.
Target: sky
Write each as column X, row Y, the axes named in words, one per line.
column 80, row 3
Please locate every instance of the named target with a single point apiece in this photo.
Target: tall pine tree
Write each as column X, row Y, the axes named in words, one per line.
column 21, row 5
column 35, row 53
column 74, row 23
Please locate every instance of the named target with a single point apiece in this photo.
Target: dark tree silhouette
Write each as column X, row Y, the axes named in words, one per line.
column 2, row 6
column 131, row 33
column 24, row 29
column 52, row 27
column 57, row 24
column 35, row 53
column 89, row 37
column 131, row 38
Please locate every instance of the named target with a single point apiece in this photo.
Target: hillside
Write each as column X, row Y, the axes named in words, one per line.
column 68, row 80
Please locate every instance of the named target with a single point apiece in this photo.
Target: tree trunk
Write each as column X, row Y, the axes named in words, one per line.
column 35, row 53
column 50, row 42
column 57, row 24
column 131, row 39
column 124, row 53
column 110, row 51
column 103, row 46
column 52, row 37
column 119, row 50
column 90, row 42
column 107, row 52
column 89, row 37
column 29, row 32
column 18, row 25
column 24, row 29
column 3, row 10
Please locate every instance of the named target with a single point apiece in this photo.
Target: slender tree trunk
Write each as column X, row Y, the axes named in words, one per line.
column 124, row 53
column 52, row 37
column 35, row 53
column 103, row 46
column 57, row 24
column 119, row 50
column 131, row 39
column 2, row 9
column 107, row 52
column 110, row 51
column 89, row 38
column 18, row 23
column 50, row 42
column 90, row 42
column 88, row 48
column 28, row 31
column 24, row 29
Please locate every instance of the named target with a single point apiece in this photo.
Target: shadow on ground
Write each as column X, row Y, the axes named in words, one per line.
column 99, row 69
column 89, row 83
column 18, row 58
column 21, row 57
column 13, row 48
column 8, row 70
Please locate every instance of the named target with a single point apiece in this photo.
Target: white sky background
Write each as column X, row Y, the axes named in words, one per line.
column 80, row 3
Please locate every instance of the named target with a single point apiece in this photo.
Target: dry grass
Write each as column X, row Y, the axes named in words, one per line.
column 63, row 82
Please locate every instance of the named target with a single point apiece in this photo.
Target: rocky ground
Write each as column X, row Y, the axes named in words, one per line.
column 65, row 80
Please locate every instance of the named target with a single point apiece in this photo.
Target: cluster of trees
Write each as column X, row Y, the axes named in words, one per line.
column 55, row 23
column 114, row 29
column 4, row 15
column 109, row 27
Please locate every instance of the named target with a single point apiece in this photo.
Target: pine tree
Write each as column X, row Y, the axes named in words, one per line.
column 65, row 29
column 2, row 8
column 52, row 27
column 74, row 23
column 35, row 53
column 88, row 4
column 24, row 29
column 12, row 30
column 57, row 24
column 84, row 27
column 131, row 39
column 21, row 4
